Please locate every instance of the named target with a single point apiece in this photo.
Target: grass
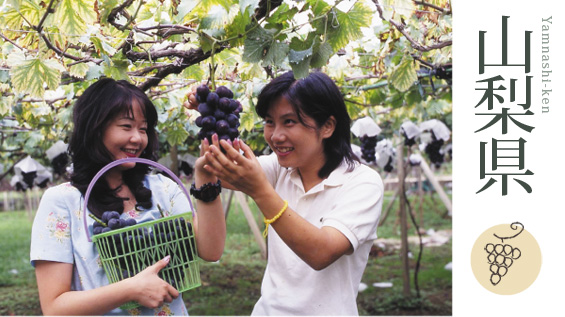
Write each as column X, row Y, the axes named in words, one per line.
column 232, row 286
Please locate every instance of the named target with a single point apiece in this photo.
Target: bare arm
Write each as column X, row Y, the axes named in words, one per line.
column 56, row 297
column 210, row 224
column 318, row 247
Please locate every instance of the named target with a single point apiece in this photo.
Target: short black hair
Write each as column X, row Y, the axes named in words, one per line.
column 318, row 97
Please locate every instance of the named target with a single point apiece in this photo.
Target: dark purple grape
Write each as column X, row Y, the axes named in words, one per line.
column 224, row 91
column 201, row 135
column 130, row 222
column 97, row 230
column 233, row 120
column 233, row 133
column 198, row 121
column 202, row 91
column 212, row 99
column 223, row 137
column 222, row 126
column 114, row 223
column 205, row 110
column 106, row 216
column 122, row 223
column 209, row 135
column 224, row 104
column 219, row 114
column 233, row 105
column 208, row 123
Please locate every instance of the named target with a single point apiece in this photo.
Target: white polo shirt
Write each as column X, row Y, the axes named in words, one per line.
column 351, row 202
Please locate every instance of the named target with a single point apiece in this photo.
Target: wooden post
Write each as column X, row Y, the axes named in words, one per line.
column 6, row 201
column 227, row 203
column 403, row 222
column 252, row 224
column 389, row 207
column 174, row 160
column 420, row 195
column 437, row 186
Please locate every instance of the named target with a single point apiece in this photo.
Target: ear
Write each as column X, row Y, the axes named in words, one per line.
column 328, row 128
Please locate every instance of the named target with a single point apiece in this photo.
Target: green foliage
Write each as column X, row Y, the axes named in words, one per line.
column 48, row 55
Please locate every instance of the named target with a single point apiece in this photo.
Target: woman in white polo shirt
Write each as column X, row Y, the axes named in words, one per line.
column 320, row 205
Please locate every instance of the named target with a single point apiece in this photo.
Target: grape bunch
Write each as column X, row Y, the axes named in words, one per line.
column 433, row 150
column 60, row 163
column 368, row 144
column 172, row 237
column 500, row 257
column 111, row 220
column 219, row 113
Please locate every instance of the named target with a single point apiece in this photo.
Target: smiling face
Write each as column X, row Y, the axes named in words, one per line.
column 297, row 145
column 125, row 135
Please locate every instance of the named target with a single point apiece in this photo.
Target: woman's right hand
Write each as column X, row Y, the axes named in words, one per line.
column 149, row 289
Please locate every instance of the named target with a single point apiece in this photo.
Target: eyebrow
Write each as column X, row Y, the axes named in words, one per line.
column 127, row 117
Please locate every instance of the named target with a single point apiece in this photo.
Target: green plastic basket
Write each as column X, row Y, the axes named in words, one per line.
column 127, row 251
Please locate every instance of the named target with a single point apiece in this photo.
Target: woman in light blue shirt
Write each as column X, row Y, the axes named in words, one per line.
column 113, row 120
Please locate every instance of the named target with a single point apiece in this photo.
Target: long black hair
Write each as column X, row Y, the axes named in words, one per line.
column 315, row 96
column 94, row 109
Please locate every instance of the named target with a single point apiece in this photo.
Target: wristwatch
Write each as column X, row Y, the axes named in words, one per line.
column 207, row 192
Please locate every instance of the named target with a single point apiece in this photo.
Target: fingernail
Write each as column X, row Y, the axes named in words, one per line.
column 167, row 258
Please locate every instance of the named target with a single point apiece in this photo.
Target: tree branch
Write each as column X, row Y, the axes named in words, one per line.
column 49, row 10
column 119, row 10
column 401, row 28
column 425, row 4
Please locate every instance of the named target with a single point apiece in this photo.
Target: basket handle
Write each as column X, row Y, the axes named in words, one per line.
column 119, row 162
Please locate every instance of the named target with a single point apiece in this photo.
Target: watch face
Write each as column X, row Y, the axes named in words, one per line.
column 209, row 193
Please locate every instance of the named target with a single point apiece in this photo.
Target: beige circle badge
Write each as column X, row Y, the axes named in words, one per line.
column 506, row 259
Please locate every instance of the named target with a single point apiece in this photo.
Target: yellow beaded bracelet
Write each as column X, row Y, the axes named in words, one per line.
column 270, row 221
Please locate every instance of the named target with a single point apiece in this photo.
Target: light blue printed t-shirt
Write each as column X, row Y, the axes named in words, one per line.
column 58, row 235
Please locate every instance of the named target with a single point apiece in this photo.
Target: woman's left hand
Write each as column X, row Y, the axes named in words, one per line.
column 243, row 172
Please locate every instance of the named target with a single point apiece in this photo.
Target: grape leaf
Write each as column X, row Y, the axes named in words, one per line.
column 404, row 7
column 258, row 39
column 30, row 75
column 247, row 120
column 282, row 15
column 28, row 10
column 73, row 16
column 276, row 54
column 300, row 55
column 322, row 54
column 34, row 139
column 215, row 19
column 248, row 6
column 118, row 69
column 404, row 76
column 237, row 27
column 344, row 27
column 318, row 7
column 5, row 106
column 79, row 70
column 176, row 134
column 206, row 42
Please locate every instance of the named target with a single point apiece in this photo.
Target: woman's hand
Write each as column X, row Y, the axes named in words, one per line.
column 199, row 170
column 150, row 290
column 191, row 103
column 243, row 172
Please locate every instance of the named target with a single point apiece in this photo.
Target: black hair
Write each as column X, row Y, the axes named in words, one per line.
column 94, row 109
column 315, row 96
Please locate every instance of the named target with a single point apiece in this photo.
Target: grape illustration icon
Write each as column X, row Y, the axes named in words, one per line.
column 502, row 256
column 506, row 259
